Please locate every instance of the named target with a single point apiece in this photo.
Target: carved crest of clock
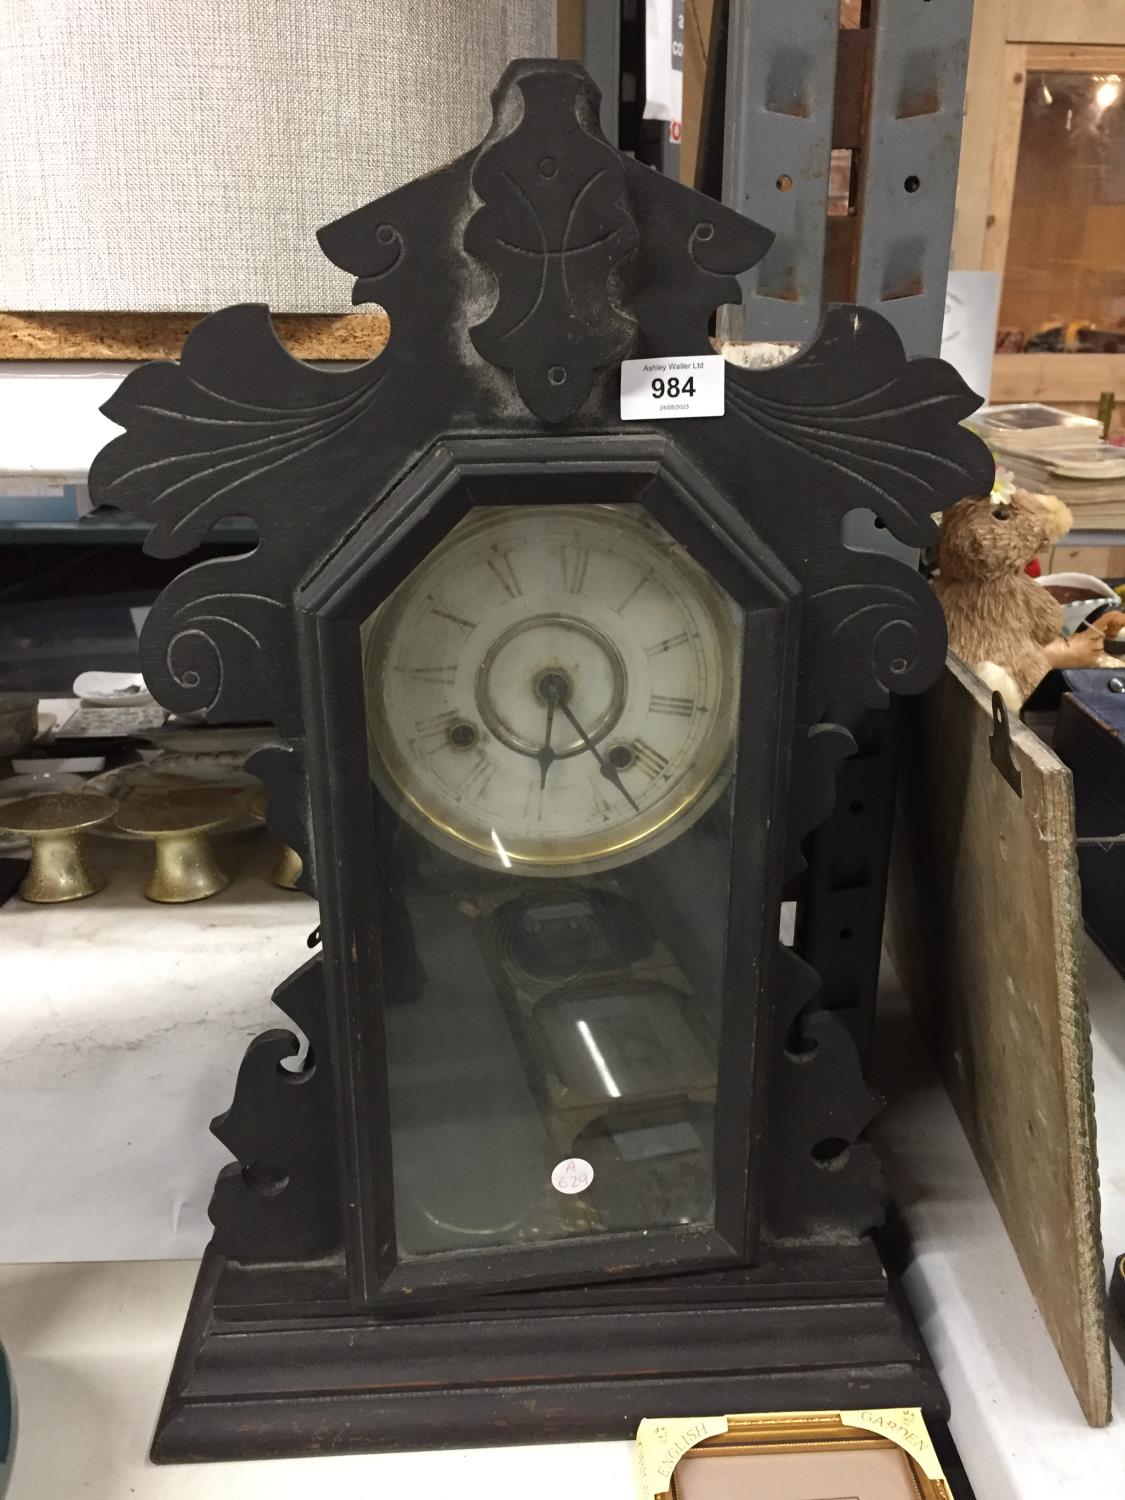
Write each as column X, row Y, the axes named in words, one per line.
column 558, row 698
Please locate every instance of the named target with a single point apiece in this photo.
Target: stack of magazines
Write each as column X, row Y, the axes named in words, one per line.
column 1059, row 453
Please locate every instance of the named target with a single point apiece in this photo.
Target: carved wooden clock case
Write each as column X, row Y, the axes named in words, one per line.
column 557, row 698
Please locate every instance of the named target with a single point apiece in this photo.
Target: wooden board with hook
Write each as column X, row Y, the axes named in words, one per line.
column 984, row 929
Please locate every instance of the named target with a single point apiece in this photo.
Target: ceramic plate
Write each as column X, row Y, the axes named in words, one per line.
column 141, row 778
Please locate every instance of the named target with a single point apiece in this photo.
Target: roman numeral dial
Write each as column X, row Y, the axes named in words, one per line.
column 650, row 761
column 575, row 563
column 669, row 703
column 499, row 564
column 553, row 690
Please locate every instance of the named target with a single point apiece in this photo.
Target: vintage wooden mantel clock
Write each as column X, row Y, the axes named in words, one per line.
column 557, row 699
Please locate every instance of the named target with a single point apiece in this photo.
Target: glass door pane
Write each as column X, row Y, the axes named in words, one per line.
column 1064, row 280
column 552, row 701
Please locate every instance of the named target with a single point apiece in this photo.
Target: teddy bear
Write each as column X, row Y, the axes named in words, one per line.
column 1003, row 624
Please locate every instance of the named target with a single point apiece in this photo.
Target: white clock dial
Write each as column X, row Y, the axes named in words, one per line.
column 553, row 687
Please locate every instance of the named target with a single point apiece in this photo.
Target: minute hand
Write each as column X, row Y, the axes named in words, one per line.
column 608, row 771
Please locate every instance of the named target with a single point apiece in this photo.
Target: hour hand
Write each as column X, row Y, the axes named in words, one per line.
column 546, row 756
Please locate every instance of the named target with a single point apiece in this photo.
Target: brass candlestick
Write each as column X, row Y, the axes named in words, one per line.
column 178, row 822
column 289, row 864
column 287, row 869
column 53, row 824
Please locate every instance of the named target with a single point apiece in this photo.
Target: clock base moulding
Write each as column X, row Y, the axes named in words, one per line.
column 273, row 1362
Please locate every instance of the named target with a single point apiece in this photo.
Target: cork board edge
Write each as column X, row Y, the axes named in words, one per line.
column 1075, row 1044
column 1077, row 1049
column 909, row 935
column 145, row 336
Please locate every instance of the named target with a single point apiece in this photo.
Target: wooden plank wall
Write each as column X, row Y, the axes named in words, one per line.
column 1008, row 37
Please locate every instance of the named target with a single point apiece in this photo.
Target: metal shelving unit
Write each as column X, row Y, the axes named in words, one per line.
column 105, row 528
column 791, row 94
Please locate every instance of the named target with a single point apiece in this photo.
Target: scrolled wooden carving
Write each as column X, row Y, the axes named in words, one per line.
column 214, row 436
column 282, row 1189
column 236, row 411
column 554, row 225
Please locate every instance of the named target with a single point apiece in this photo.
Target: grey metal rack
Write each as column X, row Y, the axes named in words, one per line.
column 788, row 85
column 613, row 51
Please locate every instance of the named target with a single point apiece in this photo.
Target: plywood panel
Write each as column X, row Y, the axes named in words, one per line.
column 983, row 94
column 1058, row 379
column 697, row 41
column 983, row 927
column 1095, row 21
column 1005, row 156
column 1055, row 59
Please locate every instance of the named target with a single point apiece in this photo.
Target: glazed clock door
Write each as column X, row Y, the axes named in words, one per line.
column 566, row 720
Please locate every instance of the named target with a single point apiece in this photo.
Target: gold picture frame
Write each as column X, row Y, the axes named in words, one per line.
column 666, row 1445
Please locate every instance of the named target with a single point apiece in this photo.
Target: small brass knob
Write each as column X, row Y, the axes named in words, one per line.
column 53, row 823
column 178, row 822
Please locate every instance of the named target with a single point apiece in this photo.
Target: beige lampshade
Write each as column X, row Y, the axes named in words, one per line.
column 163, row 156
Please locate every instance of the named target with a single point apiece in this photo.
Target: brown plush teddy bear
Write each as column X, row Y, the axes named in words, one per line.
column 1003, row 624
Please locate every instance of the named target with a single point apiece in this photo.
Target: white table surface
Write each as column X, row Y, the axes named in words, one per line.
column 121, row 1027
column 1015, row 1419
